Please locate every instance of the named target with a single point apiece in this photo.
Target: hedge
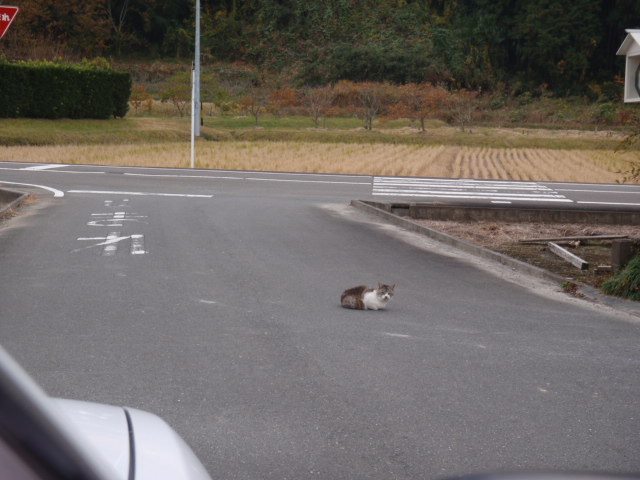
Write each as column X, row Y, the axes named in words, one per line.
column 50, row 90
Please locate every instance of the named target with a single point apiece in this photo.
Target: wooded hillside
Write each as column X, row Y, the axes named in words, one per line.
column 567, row 47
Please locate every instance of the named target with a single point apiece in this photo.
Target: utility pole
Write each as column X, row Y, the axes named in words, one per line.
column 195, row 90
column 197, row 71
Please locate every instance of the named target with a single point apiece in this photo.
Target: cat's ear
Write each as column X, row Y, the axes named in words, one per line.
column 393, row 287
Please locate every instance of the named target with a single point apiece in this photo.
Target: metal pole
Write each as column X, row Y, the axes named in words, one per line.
column 193, row 116
column 196, row 89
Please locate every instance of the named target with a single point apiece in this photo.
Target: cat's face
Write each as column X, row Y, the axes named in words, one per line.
column 385, row 292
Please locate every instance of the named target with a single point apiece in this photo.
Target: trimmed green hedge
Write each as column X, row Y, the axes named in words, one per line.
column 51, row 90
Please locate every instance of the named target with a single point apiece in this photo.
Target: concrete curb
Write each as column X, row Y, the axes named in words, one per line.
column 10, row 199
column 589, row 293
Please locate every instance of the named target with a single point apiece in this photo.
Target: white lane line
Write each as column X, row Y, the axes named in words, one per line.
column 53, row 171
column 43, row 167
column 142, row 194
column 56, row 193
column 301, row 174
column 397, row 335
column 611, row 203
column 181, row 176
column 619, row 192
column 304, row 181
column 229, row 177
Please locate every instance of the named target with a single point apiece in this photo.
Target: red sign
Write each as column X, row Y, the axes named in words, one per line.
column 7, row 14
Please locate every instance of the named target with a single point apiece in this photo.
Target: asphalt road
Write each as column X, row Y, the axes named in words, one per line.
column 217, row 307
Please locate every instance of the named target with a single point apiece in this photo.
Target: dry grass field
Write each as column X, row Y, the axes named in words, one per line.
column 571, row 165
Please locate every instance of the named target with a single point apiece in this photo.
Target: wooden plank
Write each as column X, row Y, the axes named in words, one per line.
column 570, row 239
column 568, row 256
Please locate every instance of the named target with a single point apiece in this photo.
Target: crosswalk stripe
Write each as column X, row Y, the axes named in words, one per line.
column 495, row 191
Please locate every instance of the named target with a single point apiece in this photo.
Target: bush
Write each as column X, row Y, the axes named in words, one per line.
column 626, row 283
column 52, row 90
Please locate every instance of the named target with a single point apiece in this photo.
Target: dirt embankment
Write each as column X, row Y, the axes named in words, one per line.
column 506, row 238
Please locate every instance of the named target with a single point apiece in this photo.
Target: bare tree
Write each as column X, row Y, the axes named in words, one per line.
column 366, row 99
column 462, row 105
column 255, row 101
column 116, row 19
column 317, row 101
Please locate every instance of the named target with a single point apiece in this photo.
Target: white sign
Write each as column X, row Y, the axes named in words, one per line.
column 630, row 48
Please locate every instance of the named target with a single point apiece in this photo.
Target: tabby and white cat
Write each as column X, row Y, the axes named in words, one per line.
column 366, row 298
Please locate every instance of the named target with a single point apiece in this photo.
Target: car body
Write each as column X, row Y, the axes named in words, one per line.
column 45, row 438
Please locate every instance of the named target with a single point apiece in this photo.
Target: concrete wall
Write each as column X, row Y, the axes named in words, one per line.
column 509, row 214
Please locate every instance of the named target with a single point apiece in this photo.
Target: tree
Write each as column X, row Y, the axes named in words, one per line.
column 178, row 91
column 462, row 105
column 418, row 101
column 317, row 101
column 556, row 41
column 80, row 26
column 212, row 93
column 281, row 100
column 254, row 101
column 116, row 13
column 631, row 118
column 366, row 99
column 139, row 95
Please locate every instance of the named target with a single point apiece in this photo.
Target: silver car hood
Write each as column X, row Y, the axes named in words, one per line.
column 137, row 445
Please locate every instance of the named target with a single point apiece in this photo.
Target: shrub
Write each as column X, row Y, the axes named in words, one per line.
column 626, row 283
column 59, row 90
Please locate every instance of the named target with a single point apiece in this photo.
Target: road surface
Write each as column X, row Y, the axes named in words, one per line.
column 214, row 303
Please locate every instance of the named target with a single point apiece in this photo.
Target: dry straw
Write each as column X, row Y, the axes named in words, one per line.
column 597, row 166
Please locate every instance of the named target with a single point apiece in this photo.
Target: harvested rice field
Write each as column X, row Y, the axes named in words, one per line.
column 596, row 166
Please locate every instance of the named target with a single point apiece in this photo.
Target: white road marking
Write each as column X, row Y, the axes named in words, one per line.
column 496, row 191
column 619, row 192
column 114, row 219
column 398, row 335
column 248, row 178
column 622, row 204
column 143, row 194
column 304, row 181
column 479, row 197
column 110, row 243
column 181, row 176
column 137, row 245
column 43, row 167
column 56, row 193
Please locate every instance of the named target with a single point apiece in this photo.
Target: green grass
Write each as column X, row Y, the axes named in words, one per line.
column 66, row 131
column 625, row 284
column 152, row 129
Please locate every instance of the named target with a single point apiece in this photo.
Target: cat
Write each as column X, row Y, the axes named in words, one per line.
column 366, row 298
